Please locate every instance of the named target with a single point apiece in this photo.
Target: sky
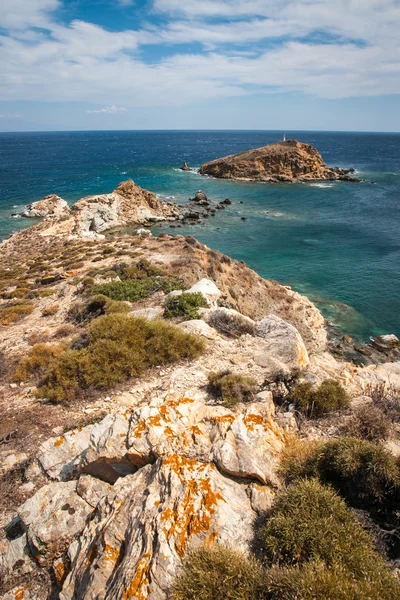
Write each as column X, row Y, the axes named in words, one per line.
column 200, row 64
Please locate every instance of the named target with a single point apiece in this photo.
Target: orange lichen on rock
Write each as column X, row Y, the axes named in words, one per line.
column 193, row 513
column 138, row 587
column 59, row 441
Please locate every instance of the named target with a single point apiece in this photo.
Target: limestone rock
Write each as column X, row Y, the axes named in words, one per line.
column 155, row 312
column 282, row 161
column 244, row 444
column 199, row 327
column 62, row 456
column 52, row 518
column 284, row 341
column 49, row 206
column 15, row 558
column 21, row 592
column 91, row 489
column 107, row 455
column 251, row 446
column 208, row 288
column 134, row 545
column 261, row 498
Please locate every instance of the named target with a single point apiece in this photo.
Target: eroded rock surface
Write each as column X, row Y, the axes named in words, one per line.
column 142, row 529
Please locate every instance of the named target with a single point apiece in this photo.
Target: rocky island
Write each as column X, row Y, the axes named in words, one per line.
column 174, row 426
column 286, row 161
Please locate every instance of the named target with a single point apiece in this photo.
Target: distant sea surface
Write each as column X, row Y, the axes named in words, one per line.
column 337, row 242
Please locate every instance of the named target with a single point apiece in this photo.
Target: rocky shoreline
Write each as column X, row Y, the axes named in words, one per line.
column 287, row 161
column 106, row 492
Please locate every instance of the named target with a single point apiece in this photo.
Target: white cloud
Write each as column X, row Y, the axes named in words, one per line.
column 110, row 110
column 17, row 14
column 85, row 62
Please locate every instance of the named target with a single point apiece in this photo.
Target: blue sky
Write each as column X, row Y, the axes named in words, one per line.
column 200, row 64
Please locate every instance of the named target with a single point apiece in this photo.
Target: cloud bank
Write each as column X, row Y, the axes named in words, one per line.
column 185, row 52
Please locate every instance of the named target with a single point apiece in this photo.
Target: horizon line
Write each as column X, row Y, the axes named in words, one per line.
column 198, row 130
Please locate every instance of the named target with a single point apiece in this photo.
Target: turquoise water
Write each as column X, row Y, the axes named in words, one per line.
column 337, row 242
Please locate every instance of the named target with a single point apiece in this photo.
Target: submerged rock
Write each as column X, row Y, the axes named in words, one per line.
column 282, row 161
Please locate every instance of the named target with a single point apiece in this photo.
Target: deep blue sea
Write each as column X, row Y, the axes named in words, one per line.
column 338, row 242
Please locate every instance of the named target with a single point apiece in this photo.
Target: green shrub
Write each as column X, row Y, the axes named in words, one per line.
column 186, row 305
column 315, row 581
column 117, row 347
column 135, row 289
column 311, row 522
column 369, row 423
column 364, row 473
column 232, row 388
column 217, row 573
column 329, row 397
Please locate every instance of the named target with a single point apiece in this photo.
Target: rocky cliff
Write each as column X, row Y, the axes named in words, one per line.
column 104, row 495
column 127, row 204
column 290, row 161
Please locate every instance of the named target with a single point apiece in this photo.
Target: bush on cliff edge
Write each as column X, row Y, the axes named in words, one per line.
column 115, row 348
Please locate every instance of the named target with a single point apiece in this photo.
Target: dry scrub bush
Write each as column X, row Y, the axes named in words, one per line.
column 50, row 310
column 186, row 305
column 38, row 360
column 218, row 573
column 316, row 581
column 64, row 331
column 96, row 306
column 117, row 347
column 329, row 397
column 232, row 325
column 386, row 398
column 369, row 423
column 311, row 522
column 232, row 388
column 365, row 474
column 295, row 456
column 12, row 313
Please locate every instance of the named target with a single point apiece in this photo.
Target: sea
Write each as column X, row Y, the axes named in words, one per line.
column 336, row 242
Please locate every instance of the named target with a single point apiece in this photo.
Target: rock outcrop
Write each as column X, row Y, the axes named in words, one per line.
column 127, row 204
column 290, row 161
column 49, row 206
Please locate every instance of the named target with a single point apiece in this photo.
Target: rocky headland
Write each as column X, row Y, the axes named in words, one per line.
column 285, row 161
column 119, row 453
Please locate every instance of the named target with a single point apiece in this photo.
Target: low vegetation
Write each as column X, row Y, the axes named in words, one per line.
column 231, row 324
column 114, row 348
column 314, row 403
column 369, row 423
column 311, row 522
column 218, row 573
column 314, row 549
column 232, row 388
column 365, row 474
column 386, row 398
column 97, row 306
column 136, row 289
column 185, row 305
column 13, row 312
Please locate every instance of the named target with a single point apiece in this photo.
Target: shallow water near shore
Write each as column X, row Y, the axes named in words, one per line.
column 337, row 242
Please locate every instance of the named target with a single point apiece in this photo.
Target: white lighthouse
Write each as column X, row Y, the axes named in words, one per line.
column 284, row 137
